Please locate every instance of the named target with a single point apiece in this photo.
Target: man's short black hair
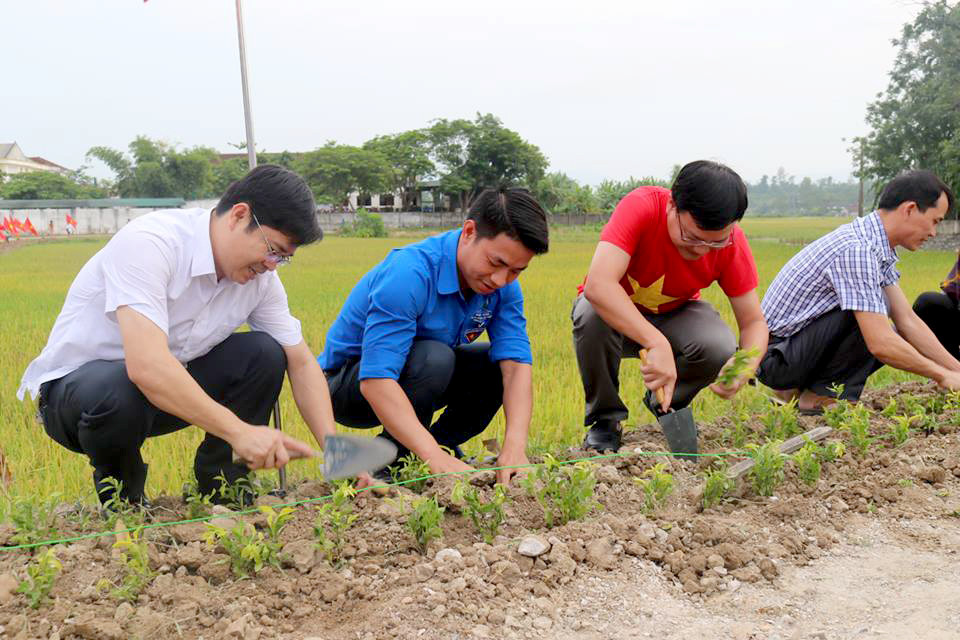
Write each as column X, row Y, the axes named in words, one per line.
column 920, row 186
column 710, row 192
column 280, row 199
column 512, row 211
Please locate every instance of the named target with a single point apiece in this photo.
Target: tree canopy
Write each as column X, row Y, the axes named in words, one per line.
column 45, row 185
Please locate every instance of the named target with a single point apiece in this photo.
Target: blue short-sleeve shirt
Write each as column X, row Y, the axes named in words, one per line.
column 414, row 294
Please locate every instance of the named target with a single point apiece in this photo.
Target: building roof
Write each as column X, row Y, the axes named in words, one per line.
column 6, row 148
column 46, row 162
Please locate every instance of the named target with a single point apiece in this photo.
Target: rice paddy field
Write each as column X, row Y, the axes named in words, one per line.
column 34, row 279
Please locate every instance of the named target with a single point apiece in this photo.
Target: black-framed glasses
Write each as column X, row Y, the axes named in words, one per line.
column 697, row 242
column 273, row 256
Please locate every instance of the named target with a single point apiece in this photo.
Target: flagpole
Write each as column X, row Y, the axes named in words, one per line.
column 248, row 118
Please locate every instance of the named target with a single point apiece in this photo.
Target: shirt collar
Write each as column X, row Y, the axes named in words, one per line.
column 876, row 231
column 449, row 279
column 201, row 263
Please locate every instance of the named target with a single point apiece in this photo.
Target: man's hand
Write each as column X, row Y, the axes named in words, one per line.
column 365, row 480
column 511, row 458
column 660, row 370
column 268, row 448
column 728, row 391
column 443, row 462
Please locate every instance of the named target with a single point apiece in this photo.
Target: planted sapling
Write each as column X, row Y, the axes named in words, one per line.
column 334, row 518
column 41, row 574
column 563, row 491
column 807, row 461
column 738, row 434
column 33, row 519
column 716, row 484
column 657, row 486
column 136, row 568
column 831, row 451
column 780, row 422
column 890, row 410
column 900, row 429
column 424, row 522
column 858, row 424
column 767, row 471
column 486, row 515
column 411, row 472
column 248, row 550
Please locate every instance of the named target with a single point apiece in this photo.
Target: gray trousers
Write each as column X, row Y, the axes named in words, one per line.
column 702, row 343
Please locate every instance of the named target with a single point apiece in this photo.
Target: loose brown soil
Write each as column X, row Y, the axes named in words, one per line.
column 872, row 549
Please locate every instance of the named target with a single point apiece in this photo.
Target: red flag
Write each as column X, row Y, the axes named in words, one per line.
column 28, row 226
column 71, row 221
column 10, row 227
column 17, row 225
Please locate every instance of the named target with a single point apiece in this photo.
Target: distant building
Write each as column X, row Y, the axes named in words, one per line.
column 13, row 160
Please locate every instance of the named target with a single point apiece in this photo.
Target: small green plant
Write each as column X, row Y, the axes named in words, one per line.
column 831, row 451
column 716, row 484
column 937, row 403
column 116, row 507
column 563, row 491
column 424, row 522
column 891, row 409
column 486, row 515
column 198, row 504
column 780, row 422
column 739, row 366
column 411, row 472
column 657, row 485
column 900, row 429
column 333, row 520
column 905, row 482
column 366, row 225
column 33, row 519
column 858, row 424
column 911, row 404
column 239, row 494
column 41, row 574
column 835, row 414
column 767, row 471
column 136, row 567
column 807, row 461
column 248, row 550
column 738, row 434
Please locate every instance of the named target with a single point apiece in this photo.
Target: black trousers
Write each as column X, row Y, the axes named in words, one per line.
column 97, row 411
column 828, row 351
column 463, row 379
column 940, row 313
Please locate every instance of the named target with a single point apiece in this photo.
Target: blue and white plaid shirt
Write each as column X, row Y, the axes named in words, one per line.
column 847, row 269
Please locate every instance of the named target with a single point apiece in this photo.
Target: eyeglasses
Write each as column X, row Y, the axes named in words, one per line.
column 273, row 256
column 697, row 242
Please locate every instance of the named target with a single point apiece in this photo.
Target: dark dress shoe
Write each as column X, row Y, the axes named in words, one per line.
column 603, row 436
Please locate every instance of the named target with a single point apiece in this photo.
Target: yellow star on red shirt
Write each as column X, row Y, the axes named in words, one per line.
column 650, row 297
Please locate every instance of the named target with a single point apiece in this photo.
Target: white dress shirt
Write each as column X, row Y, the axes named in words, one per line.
column 160, row 265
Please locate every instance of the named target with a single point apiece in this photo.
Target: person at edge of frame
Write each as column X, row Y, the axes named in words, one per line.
column 941, row 311
column 145, row 342
column 642, row 291
column 405, row 344
column 831, row 305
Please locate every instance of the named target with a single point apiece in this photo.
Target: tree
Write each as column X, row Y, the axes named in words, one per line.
column 559, row 193
column 409, row 155
column 915, row 123
column 45, row 185
column 474, row 155
column 336, row 170
column 155, row 169
column 610, row 192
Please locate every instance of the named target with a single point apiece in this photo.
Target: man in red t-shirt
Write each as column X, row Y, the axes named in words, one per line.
column 659, row 249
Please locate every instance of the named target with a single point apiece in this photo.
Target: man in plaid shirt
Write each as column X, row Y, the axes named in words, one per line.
column 829, row 308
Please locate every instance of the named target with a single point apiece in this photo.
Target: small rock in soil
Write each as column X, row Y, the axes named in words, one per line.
column 8, row 584
column 600, row 554
column 448, row 555
column 533, row 546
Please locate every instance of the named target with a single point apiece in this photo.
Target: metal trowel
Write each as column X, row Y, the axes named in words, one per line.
column 677, row 425
column 346, row 456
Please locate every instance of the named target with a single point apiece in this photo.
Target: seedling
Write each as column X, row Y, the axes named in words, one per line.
column 807, row 461
column 424, row 522
column 912, row 405
column 905, row 482
column 117, row 507
column 831, row 451
column 563, row 491
column 248, row 550
column 937, row 403
column 411, row 472
column 780, row 422
column 41, row 574
column 334, row 518
column 741, row 365
column 657, row 486
column 858, row 424
column 900, row 429
column 738, row 434
column 198, row 504
column 136, row 567
column 890, row 410
column 836, row 414
column 716, row 485
column 33, row 519
column 239, row 494
column 767, row 471
column 486, row 515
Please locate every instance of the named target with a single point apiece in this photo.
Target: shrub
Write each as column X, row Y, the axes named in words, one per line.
column 366, row 225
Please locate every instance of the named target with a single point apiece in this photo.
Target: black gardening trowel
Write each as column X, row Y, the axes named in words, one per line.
column 677, row 425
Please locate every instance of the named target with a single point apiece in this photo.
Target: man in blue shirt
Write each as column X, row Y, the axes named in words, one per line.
column 829, row 309
column 403, row 346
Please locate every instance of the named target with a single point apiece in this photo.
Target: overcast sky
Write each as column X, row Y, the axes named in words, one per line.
column 605, row 89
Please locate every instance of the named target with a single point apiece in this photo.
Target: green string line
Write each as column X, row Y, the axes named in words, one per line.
column 154, row 525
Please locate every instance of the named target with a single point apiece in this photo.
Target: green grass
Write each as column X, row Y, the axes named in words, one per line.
column 34, row 279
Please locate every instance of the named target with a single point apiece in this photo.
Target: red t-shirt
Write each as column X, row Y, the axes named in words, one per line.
column 658, row 278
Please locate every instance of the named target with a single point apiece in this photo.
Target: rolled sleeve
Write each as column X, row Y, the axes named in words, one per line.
column 397, row 298
column 508, row 328
column 137, row 268
column 855, row 276
column 272, row 315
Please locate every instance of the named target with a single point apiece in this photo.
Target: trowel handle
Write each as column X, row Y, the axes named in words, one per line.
column 659, row 392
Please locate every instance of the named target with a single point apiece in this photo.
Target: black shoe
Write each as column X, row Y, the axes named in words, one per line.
column 603, row 436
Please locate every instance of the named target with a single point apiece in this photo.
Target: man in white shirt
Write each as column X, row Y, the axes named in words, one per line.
column 145, row 342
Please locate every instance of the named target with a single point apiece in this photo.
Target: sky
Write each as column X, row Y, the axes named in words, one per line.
column 605, row 89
